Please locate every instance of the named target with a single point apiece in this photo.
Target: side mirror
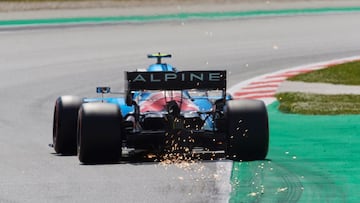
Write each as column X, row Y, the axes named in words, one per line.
column 103, row 90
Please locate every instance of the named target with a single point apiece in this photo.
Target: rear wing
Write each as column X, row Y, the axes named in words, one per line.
column 206, row 80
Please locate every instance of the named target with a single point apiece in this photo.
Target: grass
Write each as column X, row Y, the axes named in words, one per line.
column 318, row 104
column 346, row 74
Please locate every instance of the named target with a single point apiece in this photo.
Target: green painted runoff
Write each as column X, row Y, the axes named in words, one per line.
column 179, row 16
column 311, row 159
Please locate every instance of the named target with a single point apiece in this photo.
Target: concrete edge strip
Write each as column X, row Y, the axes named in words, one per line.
column 179, row 16
column 223, row 173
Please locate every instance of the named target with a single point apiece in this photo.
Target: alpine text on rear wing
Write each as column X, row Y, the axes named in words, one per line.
column 209, row 80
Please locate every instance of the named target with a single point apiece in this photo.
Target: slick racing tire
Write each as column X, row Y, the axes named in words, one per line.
column 65, row 124
column 247, row 130
column 99, row 133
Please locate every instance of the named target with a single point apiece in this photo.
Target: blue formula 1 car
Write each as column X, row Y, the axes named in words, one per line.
column 162, row 111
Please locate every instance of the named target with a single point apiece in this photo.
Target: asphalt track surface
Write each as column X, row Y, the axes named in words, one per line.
column 38, row 65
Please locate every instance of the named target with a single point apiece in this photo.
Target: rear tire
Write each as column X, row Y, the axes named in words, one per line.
column 99, row 133
column 247, row 130
column 65, row 124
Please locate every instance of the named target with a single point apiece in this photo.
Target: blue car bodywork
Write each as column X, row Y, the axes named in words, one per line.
column 204, row 103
